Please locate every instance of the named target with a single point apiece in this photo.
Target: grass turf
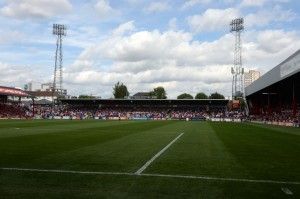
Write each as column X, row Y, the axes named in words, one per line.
column 220, row 150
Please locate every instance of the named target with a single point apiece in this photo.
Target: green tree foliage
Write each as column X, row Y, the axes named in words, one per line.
column 152, row 94
column 184, row 96
column 159, row 93
column 216, row 95
column 120, row 91
column 86, row 97
column 201, row 96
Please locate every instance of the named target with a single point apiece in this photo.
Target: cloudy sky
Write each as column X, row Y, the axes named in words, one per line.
column 183, row 45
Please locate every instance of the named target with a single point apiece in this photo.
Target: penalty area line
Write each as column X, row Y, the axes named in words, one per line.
column 153, row 175
column 138, row 172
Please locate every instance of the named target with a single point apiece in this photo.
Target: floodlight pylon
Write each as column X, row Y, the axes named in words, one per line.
column 60, row 31
column 237, row 71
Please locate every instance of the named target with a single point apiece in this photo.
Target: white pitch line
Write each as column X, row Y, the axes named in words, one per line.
column 166, row 132
column 138, row 172
column 287, row 191
column 67, row 171
column 151, row 175
column 221, row 179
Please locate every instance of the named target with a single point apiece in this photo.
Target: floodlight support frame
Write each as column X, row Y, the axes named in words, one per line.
column 60, row 31
column 237, row 71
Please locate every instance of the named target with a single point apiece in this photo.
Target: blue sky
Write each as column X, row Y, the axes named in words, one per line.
column 184, row 46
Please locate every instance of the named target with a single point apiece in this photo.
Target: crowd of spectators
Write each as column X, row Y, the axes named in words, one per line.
column 13, row 111
column 127, row 113
column 16, row 111
column 283, row 117
column 21, row 111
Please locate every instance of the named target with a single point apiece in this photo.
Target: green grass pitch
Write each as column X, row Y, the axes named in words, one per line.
column 100, row 159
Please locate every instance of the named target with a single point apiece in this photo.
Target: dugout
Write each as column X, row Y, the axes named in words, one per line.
column 278, row 90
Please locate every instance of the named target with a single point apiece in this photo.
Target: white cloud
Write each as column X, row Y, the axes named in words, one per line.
column 192, row 3
column 81, row 65
column 173, row 78
column 259, row 3
column 101, row 83
column 173, row 24
column 142, row 52
column 36, row 9
column 266, row 49
column 252, row 3
column 215, row 19
column 144, row 59
column 135, row 1
column 265, row 17
column 8, row 37
column 273, row 41
column 145, row 45
column 157, row 7
column 227, row 1
column 212, row 19
column 128, row 26
column 104, row 9
column 18, row 76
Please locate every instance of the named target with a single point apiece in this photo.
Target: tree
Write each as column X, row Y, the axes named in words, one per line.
column 159, row 93
column 152, row 94
column 86, row 97
column 201, row 96
column 120, row 91
column 216, row 95
column 185, row 96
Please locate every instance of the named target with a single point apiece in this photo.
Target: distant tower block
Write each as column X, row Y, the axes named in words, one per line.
column 236, row 26
column 60, row 31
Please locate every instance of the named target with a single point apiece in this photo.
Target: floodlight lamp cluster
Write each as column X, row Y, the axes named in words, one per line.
column 237, row 72
column 59, row 29
column 237, row 25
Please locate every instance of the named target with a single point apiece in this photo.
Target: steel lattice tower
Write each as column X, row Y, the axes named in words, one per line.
column 60, row 31
column 237, row 25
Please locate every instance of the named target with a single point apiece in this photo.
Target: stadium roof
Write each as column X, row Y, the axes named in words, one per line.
column 8, row 91
column 285, row 69
column 148, row 102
